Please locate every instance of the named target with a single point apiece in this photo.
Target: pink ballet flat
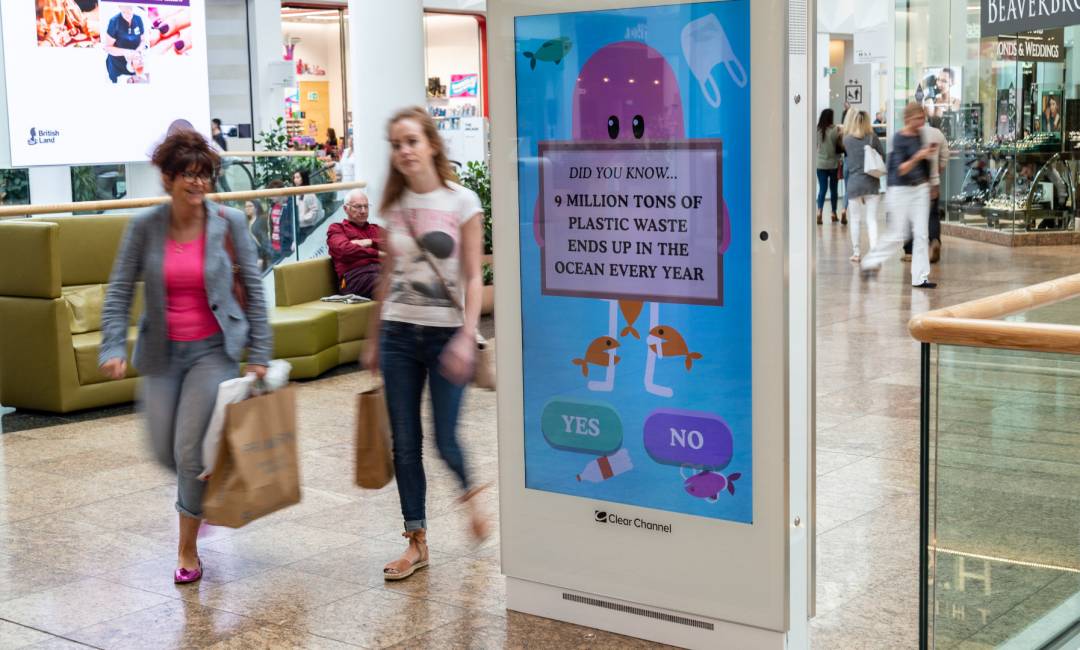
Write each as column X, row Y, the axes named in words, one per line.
column 184, row 576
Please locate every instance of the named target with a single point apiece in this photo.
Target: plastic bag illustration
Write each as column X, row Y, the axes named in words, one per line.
column 705, row 46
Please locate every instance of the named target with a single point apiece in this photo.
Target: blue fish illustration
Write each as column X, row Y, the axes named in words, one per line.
column 554, row 50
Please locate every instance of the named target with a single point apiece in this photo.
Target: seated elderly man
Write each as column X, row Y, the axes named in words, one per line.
column 355, row 247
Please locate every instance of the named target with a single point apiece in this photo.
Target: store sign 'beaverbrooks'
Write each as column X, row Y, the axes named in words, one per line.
column 1014, row 16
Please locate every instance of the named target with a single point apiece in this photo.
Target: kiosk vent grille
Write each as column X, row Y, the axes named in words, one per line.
column 638, row 611
column 797, row 27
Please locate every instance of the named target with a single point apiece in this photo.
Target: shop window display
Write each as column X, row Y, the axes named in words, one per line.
column 1010, row 108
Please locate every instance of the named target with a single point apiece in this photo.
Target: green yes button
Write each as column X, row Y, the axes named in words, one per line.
column 587, row 427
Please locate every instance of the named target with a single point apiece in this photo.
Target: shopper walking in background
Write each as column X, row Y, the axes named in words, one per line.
column 345, row 169
column 908, row 199
column 424, row 323
column 862, row 190
column 310, row 210
column 194, row 330
column 931, row 134
column 845, row 128
column 828, row 162
column 259, row 226
column 218, row 136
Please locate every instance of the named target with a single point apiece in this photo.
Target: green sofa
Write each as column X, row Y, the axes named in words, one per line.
column 53, row 276
column 315, row 336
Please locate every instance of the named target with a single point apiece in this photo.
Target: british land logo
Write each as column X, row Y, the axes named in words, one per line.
column 42, row 136
column 612, row 519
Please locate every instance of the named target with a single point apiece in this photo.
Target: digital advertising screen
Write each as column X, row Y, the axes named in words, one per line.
column 636, row 290
column 101, row 81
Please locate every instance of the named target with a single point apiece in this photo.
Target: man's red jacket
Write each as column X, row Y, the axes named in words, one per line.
column 347, row 255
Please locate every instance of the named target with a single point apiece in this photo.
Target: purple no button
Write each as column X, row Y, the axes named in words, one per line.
column 676, row 437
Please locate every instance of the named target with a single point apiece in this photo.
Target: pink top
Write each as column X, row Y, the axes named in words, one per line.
column 187, row 309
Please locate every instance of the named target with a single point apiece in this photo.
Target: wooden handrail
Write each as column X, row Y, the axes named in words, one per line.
column 978, row 323
column 312, row 153
column 123, row 204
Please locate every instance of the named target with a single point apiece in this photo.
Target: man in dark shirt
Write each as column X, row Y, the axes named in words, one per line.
column 216, row 134
column 356, row 248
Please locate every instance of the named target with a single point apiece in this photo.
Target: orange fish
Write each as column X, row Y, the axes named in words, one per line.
column 631, row 309
column 672, row 345
column 597, row 354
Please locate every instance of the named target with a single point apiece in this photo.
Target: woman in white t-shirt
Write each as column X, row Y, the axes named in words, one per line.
column 424, row 323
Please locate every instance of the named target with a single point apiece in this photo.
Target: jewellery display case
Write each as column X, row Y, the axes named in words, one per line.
column 1022, row 185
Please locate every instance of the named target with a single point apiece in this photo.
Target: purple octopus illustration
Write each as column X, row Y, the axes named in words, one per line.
column 707, row 484
column 628, row 91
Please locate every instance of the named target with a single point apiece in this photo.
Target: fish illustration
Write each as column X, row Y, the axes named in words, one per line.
column 554, row 50
column 631, row 309
column 672, row 345
column 597, row 354
column 710, row 485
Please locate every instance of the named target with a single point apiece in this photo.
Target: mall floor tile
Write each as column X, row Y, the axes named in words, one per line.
column 87, row 527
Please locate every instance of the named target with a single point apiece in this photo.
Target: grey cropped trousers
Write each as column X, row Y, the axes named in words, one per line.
column 178, row 404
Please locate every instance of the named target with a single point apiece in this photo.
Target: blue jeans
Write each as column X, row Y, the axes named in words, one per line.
column 178, row 405
column 409, row 355
column 827, row 180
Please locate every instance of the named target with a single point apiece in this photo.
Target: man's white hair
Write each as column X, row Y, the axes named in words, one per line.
column 355, row 194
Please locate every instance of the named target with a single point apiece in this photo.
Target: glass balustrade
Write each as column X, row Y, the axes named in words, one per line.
column 1004, row 497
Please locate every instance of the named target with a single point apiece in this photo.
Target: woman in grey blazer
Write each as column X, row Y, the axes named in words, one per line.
column 193, row 331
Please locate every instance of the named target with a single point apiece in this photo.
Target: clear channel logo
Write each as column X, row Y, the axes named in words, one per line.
column 42, row 136
column 613, row 519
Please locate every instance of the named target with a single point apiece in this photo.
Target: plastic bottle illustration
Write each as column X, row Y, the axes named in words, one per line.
column 606, row 467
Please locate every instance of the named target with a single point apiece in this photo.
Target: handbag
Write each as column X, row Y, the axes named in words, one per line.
column 238, row 288
column 374, row 460
column 257, row 470
column 484, row 374
column 873, row 165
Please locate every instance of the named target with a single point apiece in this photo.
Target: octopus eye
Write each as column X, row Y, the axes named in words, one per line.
column 639, row 126
column 613, row 127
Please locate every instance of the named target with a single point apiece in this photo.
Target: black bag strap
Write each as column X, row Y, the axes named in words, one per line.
column 410, row 218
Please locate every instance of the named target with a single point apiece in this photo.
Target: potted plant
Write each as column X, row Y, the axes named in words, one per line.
column 279, row 168
column 477, row 177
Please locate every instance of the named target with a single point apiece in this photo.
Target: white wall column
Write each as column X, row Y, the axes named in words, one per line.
column 264, row 29
column 381, row 83
column 50, row 184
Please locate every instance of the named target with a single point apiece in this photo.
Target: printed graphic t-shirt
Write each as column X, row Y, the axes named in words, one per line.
column 416, row 294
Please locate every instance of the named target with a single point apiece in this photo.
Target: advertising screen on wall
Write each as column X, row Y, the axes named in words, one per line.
column 634, row 176
column 102, row 81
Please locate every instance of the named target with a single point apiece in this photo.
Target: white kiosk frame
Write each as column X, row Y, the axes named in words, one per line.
column 710, row 583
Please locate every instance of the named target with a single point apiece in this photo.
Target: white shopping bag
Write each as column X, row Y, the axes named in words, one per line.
column 873, row 165
column 231, row 392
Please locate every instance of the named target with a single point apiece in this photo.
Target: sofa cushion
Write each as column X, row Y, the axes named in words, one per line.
column 302, row 332
column 296, row 283
column 86, row 356
column 84, row 304
column 352, row 319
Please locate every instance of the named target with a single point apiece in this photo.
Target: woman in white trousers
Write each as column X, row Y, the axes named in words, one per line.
column 908, row 200
column 863, row 190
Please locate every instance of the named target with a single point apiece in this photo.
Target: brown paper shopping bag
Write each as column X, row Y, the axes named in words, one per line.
column 374, row 462
column 257, row 469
